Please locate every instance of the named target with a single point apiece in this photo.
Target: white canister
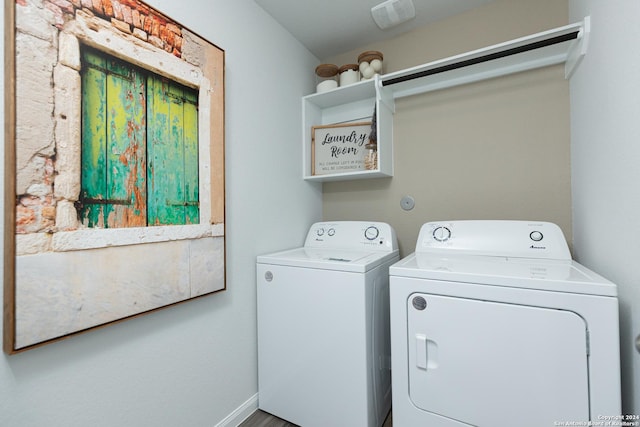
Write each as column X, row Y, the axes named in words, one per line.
column 326, row 77
column 370, row 63
column 349, row 74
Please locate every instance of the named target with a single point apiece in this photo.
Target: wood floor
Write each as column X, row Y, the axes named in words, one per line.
column 263, row 419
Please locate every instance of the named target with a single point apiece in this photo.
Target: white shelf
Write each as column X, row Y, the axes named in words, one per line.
column 567, row 44
column 353, row 103
column 494, row 61
column 343, row 95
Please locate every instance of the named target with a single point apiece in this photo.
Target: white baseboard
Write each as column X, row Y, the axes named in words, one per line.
column 241, row 413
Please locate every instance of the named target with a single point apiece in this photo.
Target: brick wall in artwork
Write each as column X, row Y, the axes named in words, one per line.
column 45, row 196
column 128, row 16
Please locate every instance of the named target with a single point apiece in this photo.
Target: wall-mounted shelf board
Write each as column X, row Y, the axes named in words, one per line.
column 560, row 45
column 567, row 44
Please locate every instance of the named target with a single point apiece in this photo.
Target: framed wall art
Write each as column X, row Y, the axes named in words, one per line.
column 114, row 166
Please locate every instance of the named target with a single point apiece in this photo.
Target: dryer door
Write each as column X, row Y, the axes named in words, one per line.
column 493, row 364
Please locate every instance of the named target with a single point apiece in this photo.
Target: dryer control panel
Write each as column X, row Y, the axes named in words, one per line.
column 528, row 239
column 352, row 235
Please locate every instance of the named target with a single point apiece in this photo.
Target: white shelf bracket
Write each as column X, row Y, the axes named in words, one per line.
column 579, row 49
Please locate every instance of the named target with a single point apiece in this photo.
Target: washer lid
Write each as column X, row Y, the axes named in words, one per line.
column 527, row 273
column 329, row 259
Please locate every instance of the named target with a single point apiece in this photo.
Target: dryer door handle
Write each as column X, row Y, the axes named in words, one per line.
column 426, row 353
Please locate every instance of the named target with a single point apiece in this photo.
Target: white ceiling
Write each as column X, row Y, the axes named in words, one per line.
column 331, row 27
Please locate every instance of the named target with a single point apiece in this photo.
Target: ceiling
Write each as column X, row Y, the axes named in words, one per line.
column 331, row 27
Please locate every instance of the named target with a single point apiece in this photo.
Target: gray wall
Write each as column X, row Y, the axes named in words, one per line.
column 497, row 149
column 195, row 363
column 605, row 154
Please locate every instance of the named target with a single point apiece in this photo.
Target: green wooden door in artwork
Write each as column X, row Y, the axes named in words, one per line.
column 172, row 153
column 113, row 143
column 139, row 147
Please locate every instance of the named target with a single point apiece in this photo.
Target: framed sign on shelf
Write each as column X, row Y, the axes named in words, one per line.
column 339, row 148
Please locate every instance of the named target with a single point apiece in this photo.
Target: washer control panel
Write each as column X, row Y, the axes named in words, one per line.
column 356, row 235
column 528, row 239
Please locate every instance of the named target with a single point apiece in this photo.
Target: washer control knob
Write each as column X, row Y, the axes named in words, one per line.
column 320, row 231
column 441, row 234
column 331, row 231
column 536, row 236
column 371, row 232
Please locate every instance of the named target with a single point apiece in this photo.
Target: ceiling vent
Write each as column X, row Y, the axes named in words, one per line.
column 393, row 12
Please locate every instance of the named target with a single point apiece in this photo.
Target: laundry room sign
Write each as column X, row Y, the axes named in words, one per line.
column 339, row 148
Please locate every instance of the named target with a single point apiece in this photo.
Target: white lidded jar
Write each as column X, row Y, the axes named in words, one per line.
column 349, row 74
column 370, row 63
column 326, row 77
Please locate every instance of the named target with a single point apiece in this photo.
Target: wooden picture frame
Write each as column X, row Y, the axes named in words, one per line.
column 339, row 148
column 91, row 89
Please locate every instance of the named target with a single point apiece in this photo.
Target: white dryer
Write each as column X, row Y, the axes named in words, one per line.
column 323, row 326
column 494, row 325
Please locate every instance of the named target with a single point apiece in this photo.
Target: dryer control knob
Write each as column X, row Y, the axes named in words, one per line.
column 536, row 236
column 441, row 234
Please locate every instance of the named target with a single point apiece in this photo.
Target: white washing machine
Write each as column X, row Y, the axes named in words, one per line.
column 323, row 326
column 494, row 325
